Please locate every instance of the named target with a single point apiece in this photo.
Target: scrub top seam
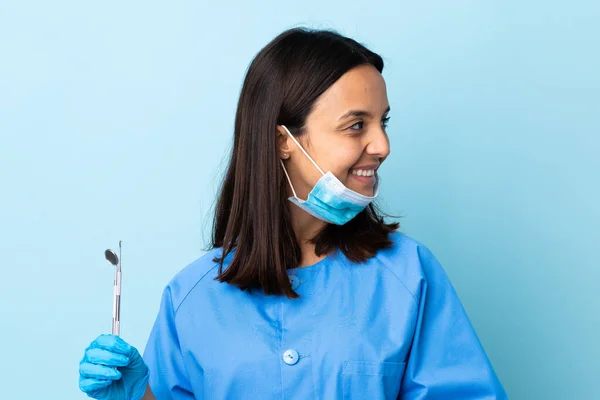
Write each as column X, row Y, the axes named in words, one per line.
column 280, row 348
column 400, row 280
column 281, row 326
column 192, row 288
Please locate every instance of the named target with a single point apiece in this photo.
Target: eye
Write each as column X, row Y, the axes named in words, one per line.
column 385, row 122
column 357, row 126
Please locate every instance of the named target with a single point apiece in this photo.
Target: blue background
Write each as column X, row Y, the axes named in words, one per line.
column 115, row 118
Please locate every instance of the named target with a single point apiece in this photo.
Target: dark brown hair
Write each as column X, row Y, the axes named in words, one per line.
column 252, row 217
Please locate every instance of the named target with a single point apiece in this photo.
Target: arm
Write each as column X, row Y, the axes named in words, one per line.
column 169, row 379
column 148, row 395
column 446, row 359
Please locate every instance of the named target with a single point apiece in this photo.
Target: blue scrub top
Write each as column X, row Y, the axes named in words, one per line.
column 390, row 328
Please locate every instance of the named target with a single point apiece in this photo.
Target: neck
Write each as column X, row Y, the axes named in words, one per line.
column 305, row 228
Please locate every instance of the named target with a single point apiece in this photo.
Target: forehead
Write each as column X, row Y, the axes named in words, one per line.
column 362, row 88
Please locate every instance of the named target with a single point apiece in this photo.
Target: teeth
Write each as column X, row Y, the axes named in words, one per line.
column 363, row 172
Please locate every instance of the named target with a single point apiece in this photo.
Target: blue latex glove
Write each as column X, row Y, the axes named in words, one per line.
column 112, row 369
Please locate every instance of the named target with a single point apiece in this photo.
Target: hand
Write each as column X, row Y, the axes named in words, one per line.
column 112, row 369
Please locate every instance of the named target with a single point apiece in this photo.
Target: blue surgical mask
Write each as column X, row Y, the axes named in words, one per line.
column 330, row 200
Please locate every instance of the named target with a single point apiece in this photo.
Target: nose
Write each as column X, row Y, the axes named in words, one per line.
column 379, row 144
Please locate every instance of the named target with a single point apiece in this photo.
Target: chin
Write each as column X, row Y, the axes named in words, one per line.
column 362, row 190
column 368, row 193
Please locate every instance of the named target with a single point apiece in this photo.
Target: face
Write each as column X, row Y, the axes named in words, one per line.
column 345, row 134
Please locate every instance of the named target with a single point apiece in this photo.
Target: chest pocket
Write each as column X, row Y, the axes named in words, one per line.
column 372, row 380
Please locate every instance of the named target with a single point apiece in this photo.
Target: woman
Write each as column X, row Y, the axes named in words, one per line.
column 306, row 293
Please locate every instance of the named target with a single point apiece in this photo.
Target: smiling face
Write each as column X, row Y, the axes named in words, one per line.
column 345, row 134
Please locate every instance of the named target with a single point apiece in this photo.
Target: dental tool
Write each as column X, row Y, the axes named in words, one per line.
column 115, row 260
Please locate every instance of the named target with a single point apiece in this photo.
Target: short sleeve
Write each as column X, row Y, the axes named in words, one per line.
column 446, row 359
column 168, row 377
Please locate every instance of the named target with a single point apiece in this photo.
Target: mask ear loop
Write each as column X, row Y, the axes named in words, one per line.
column 288, row 178
column 304, row 151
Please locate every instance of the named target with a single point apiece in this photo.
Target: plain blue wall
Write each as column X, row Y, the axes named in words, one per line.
column 115, row 118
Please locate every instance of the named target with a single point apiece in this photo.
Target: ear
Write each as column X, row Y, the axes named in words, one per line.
column 284, row 143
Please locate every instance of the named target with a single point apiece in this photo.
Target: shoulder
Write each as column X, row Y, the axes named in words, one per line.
column 405, row 251
column 184, row 282
column 411, row 262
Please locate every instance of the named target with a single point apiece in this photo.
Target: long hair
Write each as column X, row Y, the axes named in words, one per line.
column 252, row 217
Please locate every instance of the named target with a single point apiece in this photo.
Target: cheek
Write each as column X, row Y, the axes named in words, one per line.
column 342, row 159
column 306, row 172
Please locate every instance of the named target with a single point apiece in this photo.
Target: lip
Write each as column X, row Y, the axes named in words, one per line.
column 366, row 167
column 364, row 180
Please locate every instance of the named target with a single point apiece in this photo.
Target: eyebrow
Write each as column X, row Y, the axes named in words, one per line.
column 360, row 113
